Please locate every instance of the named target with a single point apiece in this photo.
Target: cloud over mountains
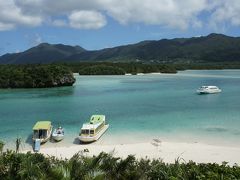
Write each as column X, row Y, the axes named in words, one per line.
column 94, row 14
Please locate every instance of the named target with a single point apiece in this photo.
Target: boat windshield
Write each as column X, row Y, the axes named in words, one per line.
column 60, row 131
column 85, row 131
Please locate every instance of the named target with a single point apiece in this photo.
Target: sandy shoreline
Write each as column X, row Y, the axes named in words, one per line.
column 167, row 151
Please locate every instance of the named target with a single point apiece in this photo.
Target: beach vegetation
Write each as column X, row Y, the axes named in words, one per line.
column 107, row 166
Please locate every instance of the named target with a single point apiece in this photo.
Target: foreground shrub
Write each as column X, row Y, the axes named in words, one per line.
column 106, row 166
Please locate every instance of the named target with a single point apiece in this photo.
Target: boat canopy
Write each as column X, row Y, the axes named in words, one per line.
column 95, row 119
column 42, row 125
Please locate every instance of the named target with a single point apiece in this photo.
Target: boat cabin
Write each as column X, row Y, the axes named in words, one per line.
column 42, row 130
column 209, row 87
column 96, row 123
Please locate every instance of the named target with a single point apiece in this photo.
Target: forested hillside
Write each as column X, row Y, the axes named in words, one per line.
column 214, row 48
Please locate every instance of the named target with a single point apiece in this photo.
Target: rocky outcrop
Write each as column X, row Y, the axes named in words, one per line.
column 66, row 80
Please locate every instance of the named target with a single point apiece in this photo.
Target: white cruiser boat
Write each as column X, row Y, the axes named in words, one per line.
column 209, row 90
column 58, row 134
column 94, row 129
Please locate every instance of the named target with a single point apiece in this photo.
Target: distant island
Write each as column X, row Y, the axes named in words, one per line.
column 35, row 76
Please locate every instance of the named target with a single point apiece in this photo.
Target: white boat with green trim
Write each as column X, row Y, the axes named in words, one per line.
column 94, row 129
column 42, row 131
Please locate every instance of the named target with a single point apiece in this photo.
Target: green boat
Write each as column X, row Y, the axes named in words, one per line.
column 94, row 129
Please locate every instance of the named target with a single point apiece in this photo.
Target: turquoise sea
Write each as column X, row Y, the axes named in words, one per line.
column 138, row 108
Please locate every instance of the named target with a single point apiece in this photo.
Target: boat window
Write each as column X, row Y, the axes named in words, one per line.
column 91, row 131
column 85, row 131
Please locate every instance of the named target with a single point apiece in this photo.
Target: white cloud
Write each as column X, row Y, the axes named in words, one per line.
column 197, row 24
column 172, row 13
column 11, row 16
column 82, row 14
column 226, row 12
column 86, row 20
column 6, row 26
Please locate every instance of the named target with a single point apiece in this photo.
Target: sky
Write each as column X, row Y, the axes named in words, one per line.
column 97, row 24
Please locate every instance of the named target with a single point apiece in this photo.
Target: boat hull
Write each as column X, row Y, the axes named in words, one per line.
column 44, row 140
column 58, row 137
column 209, row 92
column 88, row 139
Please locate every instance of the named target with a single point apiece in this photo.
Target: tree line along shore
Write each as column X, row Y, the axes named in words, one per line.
column 56, row 75
column 120, row 68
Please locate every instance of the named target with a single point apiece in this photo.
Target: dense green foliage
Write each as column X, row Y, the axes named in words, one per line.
column 204, row 49
column 101, row 70
column 35, row 76
column 108, row 68
column 105, row 166
column 134, row 68
column 39, row 76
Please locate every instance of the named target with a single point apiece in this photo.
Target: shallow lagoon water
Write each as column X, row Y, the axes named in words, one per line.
column 138, row 108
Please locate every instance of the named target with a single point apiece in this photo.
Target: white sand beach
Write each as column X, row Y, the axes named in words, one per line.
column 167, row 151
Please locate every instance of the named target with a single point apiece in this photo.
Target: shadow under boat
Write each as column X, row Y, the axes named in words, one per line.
column 29, row 140
column 77, row 142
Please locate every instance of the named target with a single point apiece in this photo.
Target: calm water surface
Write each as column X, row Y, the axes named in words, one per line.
column 138, row 108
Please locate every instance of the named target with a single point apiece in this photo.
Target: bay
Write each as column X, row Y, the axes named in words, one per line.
column 138, row 108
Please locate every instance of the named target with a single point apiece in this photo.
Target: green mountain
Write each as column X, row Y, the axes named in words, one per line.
column 43, row 53
column 211, row 48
